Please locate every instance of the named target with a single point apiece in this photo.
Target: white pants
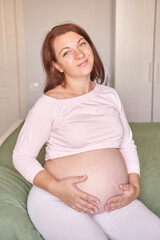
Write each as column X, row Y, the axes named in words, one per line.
column 57, row 221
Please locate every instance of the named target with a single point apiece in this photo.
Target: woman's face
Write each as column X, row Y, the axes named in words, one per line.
column 74, row 55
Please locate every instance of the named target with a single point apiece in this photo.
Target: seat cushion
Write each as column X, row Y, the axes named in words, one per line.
column 147, row 139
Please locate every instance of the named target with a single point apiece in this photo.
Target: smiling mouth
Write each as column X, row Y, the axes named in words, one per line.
column 83, row 63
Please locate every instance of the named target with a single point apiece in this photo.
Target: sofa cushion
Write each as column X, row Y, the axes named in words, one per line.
column 14, row 220
column 6, row 150
column 147, row 139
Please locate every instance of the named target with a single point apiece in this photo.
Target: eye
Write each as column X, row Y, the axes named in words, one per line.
column 82, row 44
column 66, row 53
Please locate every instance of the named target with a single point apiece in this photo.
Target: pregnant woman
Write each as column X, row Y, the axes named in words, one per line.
column 88, row 186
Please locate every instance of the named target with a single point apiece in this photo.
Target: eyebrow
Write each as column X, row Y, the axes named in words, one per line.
column 68, row 47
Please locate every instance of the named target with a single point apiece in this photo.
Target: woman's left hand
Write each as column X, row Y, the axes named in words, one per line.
column 130, row 192
column 128, row 195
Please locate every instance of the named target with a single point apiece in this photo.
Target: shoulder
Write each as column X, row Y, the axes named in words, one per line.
column 107, row 90
column 109, row 94
column 55, row 93
column 44, row 107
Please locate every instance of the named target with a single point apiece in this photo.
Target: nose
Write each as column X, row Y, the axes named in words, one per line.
column 79, row 54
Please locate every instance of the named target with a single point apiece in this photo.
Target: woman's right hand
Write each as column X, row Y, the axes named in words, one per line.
column 69, row 193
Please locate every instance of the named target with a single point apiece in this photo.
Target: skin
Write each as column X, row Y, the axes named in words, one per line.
column 75, row 59
column 130, row 192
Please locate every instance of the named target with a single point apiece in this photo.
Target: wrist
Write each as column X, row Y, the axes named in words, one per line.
column 45, row 181
column 135, row 182
column 53, row 186
column 137, row 191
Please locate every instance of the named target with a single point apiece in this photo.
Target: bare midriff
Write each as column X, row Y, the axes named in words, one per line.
column 105, row 169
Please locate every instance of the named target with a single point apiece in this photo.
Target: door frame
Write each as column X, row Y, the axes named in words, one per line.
column 21, row 69
column 19, row 19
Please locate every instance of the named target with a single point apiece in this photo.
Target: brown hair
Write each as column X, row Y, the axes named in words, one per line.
column 53, row 76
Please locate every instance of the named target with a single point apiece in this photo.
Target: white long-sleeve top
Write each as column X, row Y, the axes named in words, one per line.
column 68, row 126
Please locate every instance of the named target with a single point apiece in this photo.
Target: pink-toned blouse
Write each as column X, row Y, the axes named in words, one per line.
column 68, row 126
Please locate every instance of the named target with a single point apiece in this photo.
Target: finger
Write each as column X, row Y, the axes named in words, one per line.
column 81, row 202
column 80, row 209
column 125, row 187
column 85, row 207
column 115, row 199
column 84, row 195
column 115, row 205
column 79, row 179
column 88, row 207
column 92, row 208
column 89, row 198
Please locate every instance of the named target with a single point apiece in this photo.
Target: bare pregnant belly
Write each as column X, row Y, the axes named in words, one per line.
column 105, row 168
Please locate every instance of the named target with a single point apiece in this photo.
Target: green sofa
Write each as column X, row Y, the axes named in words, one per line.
column 14, row 220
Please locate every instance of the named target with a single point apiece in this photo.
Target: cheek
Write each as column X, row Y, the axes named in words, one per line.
column 92, row 59
column 91, row 56
column 67, row 66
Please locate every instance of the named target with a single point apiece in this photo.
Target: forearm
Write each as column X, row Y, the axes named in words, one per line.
column 67, row 191
column 134, row 179
column 45, row 181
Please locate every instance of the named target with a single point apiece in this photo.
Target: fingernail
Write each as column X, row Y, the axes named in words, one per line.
column 107, row 209
column 85, row 176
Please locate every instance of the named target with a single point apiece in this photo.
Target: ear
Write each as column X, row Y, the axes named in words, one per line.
column 57, row 66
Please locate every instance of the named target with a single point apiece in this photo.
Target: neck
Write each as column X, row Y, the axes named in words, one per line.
column 80, row 86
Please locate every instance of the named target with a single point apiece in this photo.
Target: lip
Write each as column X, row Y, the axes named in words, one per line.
column 82, row 64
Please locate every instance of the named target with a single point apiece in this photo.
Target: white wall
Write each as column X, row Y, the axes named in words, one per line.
column 95, row 16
